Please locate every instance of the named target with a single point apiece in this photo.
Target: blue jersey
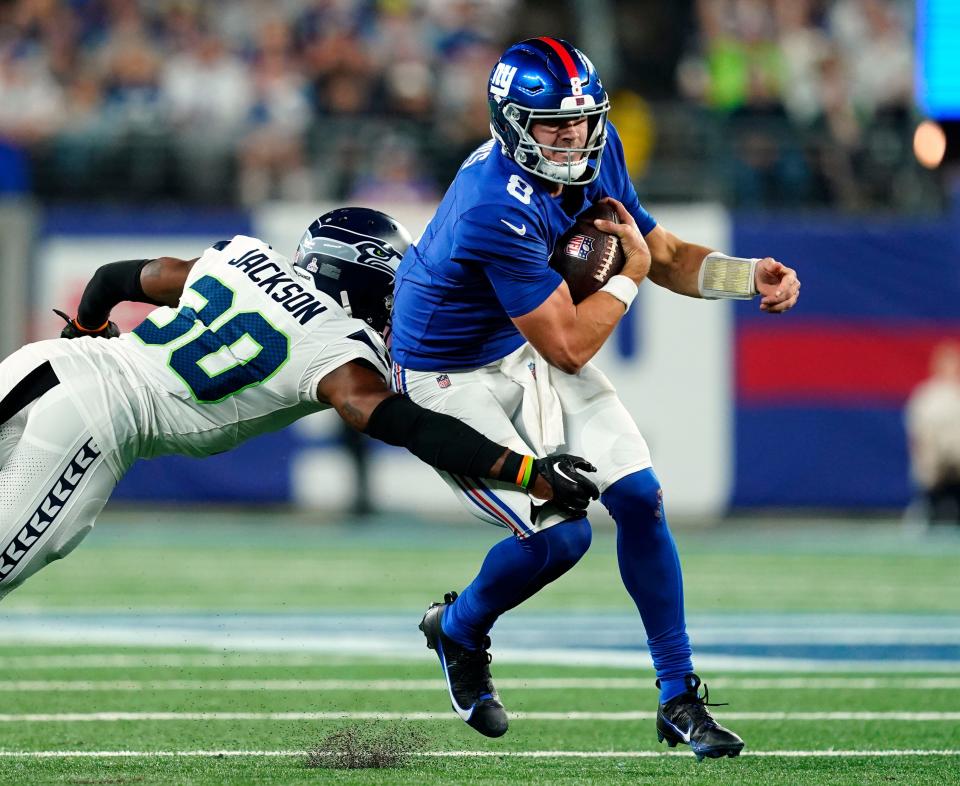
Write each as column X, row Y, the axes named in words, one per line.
column 484, row 258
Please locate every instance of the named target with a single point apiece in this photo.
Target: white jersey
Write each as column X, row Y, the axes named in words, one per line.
column 241, row 355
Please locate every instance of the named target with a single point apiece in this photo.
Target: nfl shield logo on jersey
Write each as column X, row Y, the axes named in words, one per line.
column 579, row 246
column 443, row 381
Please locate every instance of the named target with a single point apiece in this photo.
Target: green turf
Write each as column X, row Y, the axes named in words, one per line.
column 237, row 772
column 267, row 564
column 450, row 734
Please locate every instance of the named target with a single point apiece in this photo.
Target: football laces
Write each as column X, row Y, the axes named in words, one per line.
column 602, row 271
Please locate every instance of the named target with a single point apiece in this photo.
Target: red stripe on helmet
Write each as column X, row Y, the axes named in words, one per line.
column 565, row 57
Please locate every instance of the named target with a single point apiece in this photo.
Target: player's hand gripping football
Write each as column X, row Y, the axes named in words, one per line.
column 559, row 478
column 73, row 328
column 635, row 248
column 778, row 286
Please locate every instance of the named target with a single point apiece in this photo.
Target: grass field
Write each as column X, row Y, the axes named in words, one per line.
column 166, row 651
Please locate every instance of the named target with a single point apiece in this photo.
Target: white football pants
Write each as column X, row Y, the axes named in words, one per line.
column 595, row 425
column 53, row 479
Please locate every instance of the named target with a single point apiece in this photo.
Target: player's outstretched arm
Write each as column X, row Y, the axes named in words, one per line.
column 363, row 400
column 156, row 281
column 690, row 269
column 164, row 278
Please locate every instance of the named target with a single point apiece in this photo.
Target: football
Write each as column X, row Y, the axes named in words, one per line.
column 586, row 257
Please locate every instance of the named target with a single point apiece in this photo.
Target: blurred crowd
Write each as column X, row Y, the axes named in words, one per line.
column 760, row 103
column 294, row 100
column 815, row 97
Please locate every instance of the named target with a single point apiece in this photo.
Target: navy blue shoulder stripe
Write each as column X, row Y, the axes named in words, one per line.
column 220, row 245
column 362, row 336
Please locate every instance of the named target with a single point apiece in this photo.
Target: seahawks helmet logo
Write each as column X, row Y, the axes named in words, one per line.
column 349, row 246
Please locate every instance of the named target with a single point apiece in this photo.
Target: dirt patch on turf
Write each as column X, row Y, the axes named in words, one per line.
column 366, row 745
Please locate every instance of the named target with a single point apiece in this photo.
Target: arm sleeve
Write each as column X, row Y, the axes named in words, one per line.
column 439, row 440
column 111, row 284
column 514, row 256
column 626, row 191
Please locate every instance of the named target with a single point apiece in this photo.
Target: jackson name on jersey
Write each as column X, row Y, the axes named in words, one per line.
column 240, row 355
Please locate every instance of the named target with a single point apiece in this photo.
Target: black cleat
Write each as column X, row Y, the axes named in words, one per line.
column 685, row 718
column 467, row 672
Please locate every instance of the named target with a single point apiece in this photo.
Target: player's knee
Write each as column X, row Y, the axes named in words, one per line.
column 63, row 546
column 637, row 496
column 569, row 541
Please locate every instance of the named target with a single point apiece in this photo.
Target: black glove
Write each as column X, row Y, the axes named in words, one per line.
column 73, row 329
column 572, row 491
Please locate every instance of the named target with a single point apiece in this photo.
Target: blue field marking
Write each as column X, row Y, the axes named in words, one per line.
column 738, row 640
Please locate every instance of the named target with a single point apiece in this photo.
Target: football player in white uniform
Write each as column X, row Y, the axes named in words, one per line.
column 243, row 342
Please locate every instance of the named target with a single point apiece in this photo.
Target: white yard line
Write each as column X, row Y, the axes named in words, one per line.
column 149, row 660
column 250, row 658
column 111, row 717
column 532, row 683
column 475, row 754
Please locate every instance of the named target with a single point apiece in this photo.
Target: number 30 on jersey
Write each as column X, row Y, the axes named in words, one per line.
column 243, row 351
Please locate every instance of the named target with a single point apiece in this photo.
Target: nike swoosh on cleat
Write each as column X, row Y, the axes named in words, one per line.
column 684, row 735
column 520, row 230
column 465, row 715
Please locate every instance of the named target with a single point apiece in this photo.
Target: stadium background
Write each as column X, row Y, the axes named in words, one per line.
column 781, row 127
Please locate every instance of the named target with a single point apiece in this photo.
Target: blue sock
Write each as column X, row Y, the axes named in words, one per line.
column 672, row 687
column 650, row 569
column 514, row 570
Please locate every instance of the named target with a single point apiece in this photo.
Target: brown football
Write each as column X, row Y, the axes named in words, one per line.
column 586, row 257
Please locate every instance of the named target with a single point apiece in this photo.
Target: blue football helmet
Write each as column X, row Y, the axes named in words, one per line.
column 353, row 254
column 548, row 80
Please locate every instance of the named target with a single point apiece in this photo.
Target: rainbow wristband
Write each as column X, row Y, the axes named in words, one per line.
column 526, row 469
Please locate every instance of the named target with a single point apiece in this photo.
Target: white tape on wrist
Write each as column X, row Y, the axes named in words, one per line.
column 623, row 289
column 730, row 278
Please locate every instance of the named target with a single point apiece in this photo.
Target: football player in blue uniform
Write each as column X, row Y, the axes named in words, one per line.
column 484, row 329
